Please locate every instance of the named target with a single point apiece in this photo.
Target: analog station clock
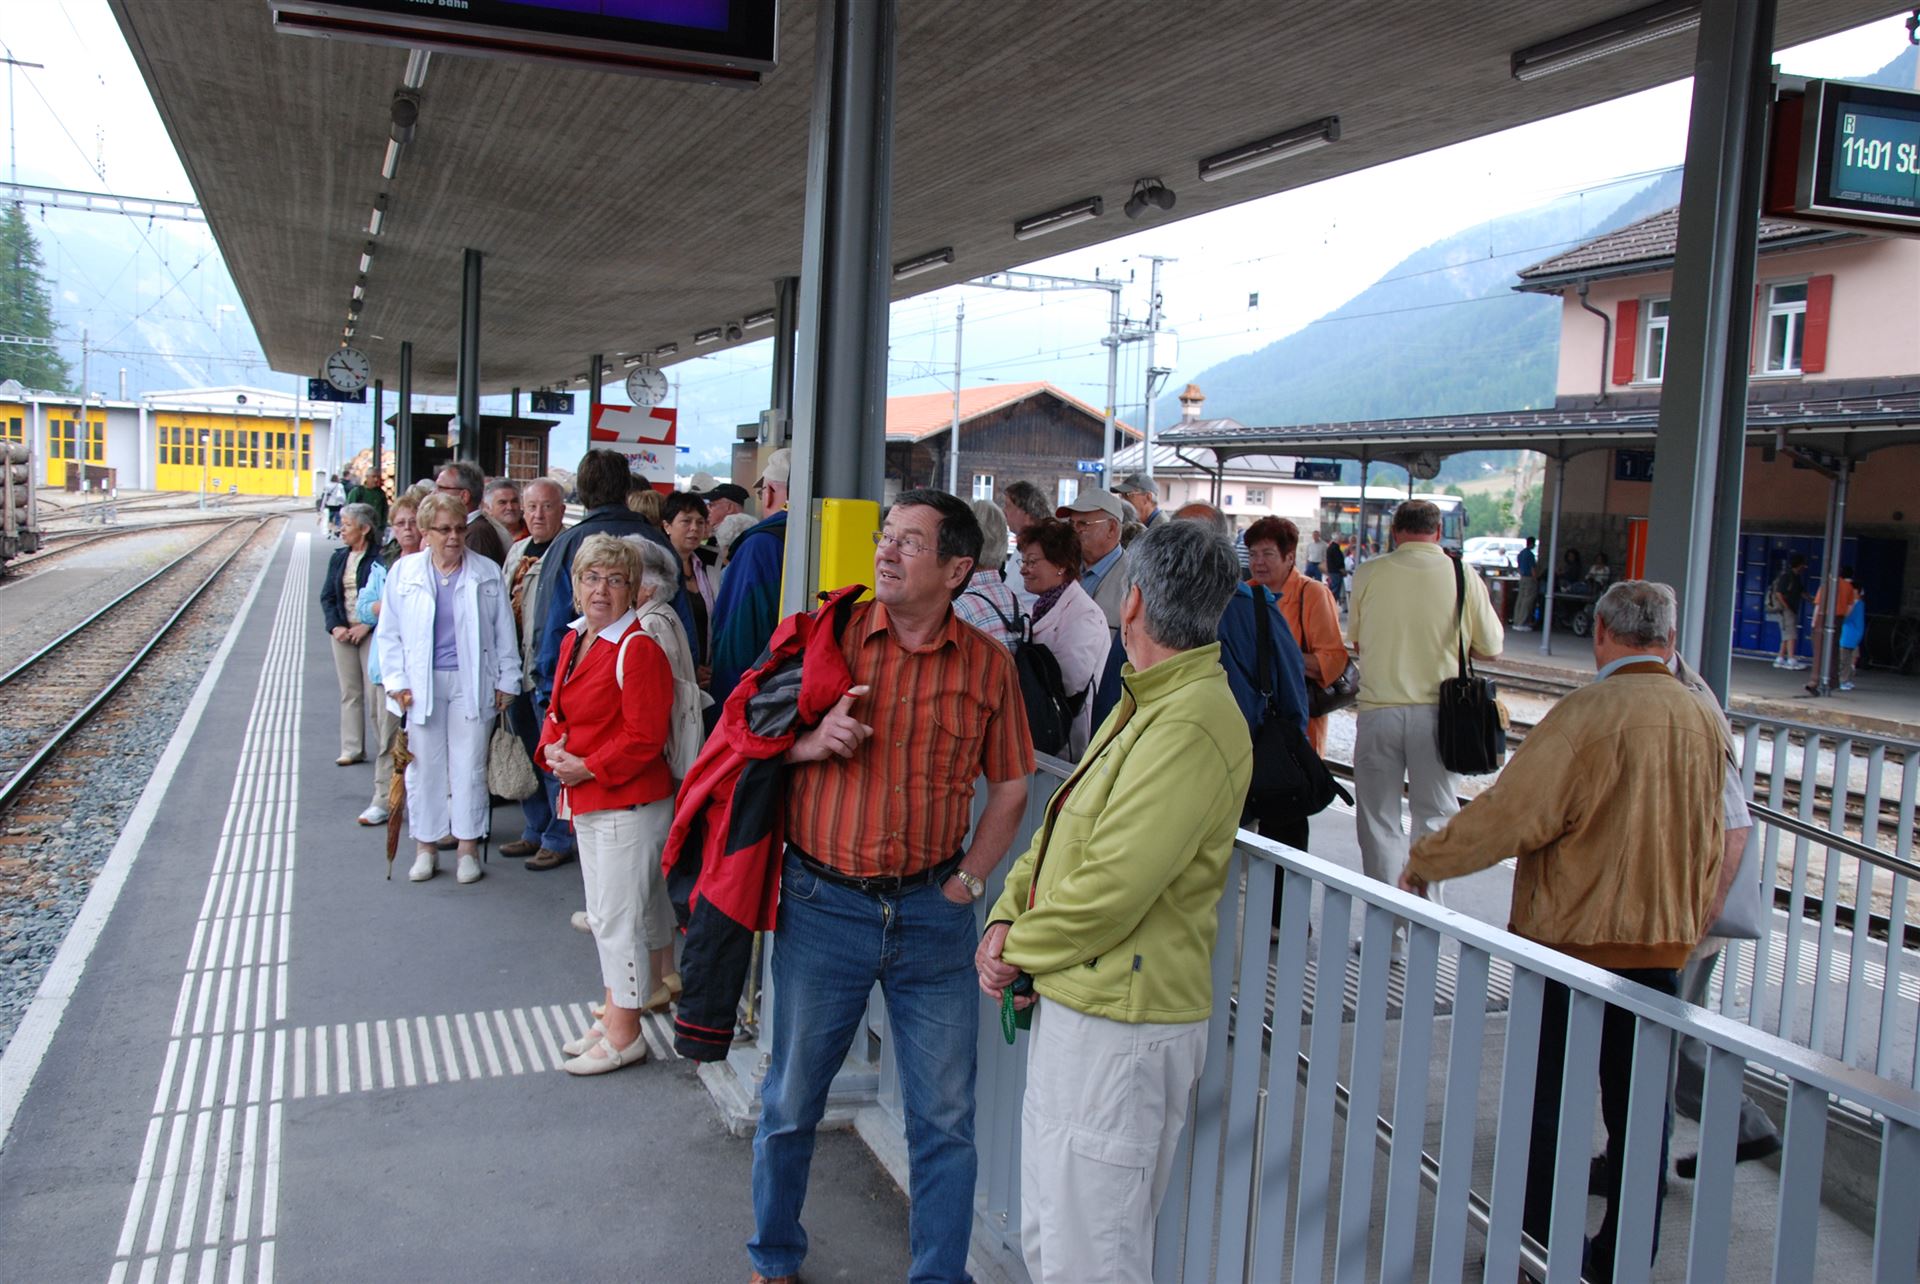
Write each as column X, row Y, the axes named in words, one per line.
column 646, row 386
column 347, row 369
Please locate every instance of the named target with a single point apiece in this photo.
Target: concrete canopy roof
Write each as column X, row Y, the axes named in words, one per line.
column 619, row 214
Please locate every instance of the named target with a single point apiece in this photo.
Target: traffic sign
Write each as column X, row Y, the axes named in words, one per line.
column 321, row 390
column 1316, row 470
column 552, row 403
column 1089, row 465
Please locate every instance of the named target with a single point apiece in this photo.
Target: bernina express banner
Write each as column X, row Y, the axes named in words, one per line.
column 646, row 437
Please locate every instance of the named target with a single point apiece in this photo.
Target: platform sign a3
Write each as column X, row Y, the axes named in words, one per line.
column 647, row 437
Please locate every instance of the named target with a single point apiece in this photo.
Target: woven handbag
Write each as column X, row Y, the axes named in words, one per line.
column 509, row 769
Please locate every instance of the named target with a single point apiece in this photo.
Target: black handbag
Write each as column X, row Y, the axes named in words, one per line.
column 1289, row 779
column 1339, row 693
column 1472, row 737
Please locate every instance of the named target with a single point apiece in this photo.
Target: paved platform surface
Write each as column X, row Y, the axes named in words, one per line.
column 277, row 1064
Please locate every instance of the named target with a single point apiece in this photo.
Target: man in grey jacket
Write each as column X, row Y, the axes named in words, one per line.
column 1097, row 516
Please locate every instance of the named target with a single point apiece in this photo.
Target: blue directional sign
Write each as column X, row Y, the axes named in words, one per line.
column 1090, row 466
column 321, row 390
column 1316, row 470
column 551, row 403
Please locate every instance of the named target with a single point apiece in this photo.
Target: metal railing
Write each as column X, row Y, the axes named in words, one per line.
column 1277, row 1172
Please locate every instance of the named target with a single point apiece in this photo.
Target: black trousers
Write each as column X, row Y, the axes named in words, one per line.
column 1291, row 830
column 1616, row 1078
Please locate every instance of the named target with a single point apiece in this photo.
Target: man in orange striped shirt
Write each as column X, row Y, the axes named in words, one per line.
column 879, row 883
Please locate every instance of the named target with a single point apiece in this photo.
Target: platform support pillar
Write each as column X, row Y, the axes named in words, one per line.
column 786, row 315
column 840, row 352
column 1553, row 553
column 1694, row 527
column 596, row 374
column 1827, row 634
column 379, row 408
column 403, row 423
column 467, row 371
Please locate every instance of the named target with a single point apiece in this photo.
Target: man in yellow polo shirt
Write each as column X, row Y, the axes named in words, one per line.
column 1401, row 620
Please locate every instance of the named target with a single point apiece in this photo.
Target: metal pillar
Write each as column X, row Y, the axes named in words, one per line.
column 786, row 303
column 1553, row 554
column 1693, row 532
column 1360, row 527
column 1153, row 331
column 1113, row 385
column 467, row 373
column 596, row 375
column 1823, row 640
column 513, row 404
column 403, row 424
column 379, row 409
column 840, row 366
column 953, row 436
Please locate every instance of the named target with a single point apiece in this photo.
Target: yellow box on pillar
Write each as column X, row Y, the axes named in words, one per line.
column 845, row 539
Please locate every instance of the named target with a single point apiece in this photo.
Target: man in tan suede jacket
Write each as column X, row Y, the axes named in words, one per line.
column 1613, row 807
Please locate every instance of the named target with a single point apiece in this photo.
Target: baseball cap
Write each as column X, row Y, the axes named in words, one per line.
column 779, row 467
column 727, row 490
column 1094, row 501
column 702, row 483
column 1135, row 484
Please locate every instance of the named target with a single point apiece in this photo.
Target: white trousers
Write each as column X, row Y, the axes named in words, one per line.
column 1391, row 746
column 350, row 667
column 627, row 905
column 1099, row 1128
column 447, row 779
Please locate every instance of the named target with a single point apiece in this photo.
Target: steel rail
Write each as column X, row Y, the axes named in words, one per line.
column 33, row 764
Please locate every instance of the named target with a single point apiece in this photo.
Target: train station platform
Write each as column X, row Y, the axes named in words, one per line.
column 256, row 1058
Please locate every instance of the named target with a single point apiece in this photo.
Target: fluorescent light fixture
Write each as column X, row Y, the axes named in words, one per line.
column 707, row 336
column 754, row 320
column 391, row 164
column 1053, row 220
column 634, row 360
column 360, row 288
column 1237, row 160
column 922, row 263
column 666, row 350
column 366, row 258
column 379, row 215
column 353, row 307
column 416, row 72
column 1629, row 30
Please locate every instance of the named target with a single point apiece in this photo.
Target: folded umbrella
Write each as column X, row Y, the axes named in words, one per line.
column 397, row 792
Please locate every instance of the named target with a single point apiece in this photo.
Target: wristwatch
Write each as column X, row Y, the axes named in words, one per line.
column 975, row 888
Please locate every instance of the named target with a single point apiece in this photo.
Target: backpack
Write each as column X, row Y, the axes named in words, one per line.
column 686, row 724
column 1050, row 710
column 1289, row 778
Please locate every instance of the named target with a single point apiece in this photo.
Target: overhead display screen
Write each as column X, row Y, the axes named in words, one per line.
column 720, row 41
column 1860, row 153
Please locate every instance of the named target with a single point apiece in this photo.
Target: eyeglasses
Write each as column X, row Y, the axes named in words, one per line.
column 1035, row 563
column 449, row 490
column 594, row 579
column 909, row 545
column 461, row 531
column 1091, row 523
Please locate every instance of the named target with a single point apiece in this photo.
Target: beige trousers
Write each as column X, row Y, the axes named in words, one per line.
column 350, row 666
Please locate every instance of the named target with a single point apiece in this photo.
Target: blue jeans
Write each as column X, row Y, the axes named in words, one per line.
column 541, row 810
column 831, row 945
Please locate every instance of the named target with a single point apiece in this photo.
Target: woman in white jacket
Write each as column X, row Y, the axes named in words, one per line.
column 1065, row 620
column 449, row 661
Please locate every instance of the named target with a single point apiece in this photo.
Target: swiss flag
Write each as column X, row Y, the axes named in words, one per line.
column 632, row 425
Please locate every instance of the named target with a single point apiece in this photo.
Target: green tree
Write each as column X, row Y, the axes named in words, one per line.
column 25, row 311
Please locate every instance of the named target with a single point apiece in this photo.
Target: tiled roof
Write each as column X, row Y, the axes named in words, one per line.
column 1650, row 242
column 931, row 413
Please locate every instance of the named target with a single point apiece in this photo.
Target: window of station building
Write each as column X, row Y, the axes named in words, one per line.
column 983, row 486
column 1066, row 491
column 1256, row 494
column 1786, row 327
column 306, row 451
column 523, row 458
column 12, row 429
column 1653, row 340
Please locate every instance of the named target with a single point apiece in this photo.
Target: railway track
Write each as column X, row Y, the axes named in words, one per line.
column 54, row 692
column 56, row 544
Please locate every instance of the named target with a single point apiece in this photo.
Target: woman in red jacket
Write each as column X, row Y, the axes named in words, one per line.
column 604, row 740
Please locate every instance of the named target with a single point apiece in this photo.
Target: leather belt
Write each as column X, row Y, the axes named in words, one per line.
column 880, row 886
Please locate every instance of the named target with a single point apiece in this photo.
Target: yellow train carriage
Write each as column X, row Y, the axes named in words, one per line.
column 260, row 455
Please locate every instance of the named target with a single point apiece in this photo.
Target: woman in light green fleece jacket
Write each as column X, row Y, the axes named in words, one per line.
column 1113, row 911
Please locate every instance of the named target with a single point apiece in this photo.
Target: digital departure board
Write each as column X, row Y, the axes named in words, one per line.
column 717, row 41
column 1859, row 154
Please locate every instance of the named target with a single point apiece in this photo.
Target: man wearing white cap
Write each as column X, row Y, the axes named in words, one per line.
column 1096, row 516
column 748, row 608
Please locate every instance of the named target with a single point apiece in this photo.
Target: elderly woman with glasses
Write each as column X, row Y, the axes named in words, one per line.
column 605, row 740
column 339, row 605
column 450, row 662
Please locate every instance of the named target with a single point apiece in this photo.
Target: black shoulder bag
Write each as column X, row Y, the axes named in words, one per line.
column 1288, row 776
column 1472, row 738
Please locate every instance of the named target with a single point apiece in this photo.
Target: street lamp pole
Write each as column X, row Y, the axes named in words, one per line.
column 206, row 449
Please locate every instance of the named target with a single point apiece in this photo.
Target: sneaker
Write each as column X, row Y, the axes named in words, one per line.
column 469, row 871
column 374, row 816
column 426, row 863
column 1780, row 662
column 1846, row 686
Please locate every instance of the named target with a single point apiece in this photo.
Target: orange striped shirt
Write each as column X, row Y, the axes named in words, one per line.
column 941, row 716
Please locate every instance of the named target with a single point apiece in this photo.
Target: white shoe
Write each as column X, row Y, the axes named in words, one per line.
column 469, row 871
column 575, row 1046
column 1779, row 662
column 1846, row 686
column 374, row 816
column 603, row 1057
column 1798, row 665
column 426, row 863
column 580, row 923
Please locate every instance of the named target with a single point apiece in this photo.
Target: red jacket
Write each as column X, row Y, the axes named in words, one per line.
column 615, row 716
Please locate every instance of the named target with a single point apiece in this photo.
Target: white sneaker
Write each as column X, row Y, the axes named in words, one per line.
column 469, row 871
column 1846, row 686
column 374, row 816
column 426, row 863
column 1798, row 665
column 1779, row 662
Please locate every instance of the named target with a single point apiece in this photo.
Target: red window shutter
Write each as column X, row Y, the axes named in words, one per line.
column 1626, row 333
column 1756, row 331
column 1813, row 344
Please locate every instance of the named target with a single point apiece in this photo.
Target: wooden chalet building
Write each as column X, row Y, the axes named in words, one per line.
column 1008, row 432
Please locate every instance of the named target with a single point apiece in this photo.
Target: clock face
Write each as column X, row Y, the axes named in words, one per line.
column 348, row 369
column 646, row 386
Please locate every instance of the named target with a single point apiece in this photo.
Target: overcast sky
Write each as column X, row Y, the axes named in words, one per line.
column 1304, row 252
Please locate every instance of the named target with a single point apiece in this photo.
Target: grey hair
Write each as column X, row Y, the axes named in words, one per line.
column 1186, row 573
column 560, row 492
column 731, row 527
column 472, row 480
column 499, row 484
column 993, row 531
column 1029, row 499
column 1199, row 512
column 362, row 515
column 1638, row 612
column 659, row 571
